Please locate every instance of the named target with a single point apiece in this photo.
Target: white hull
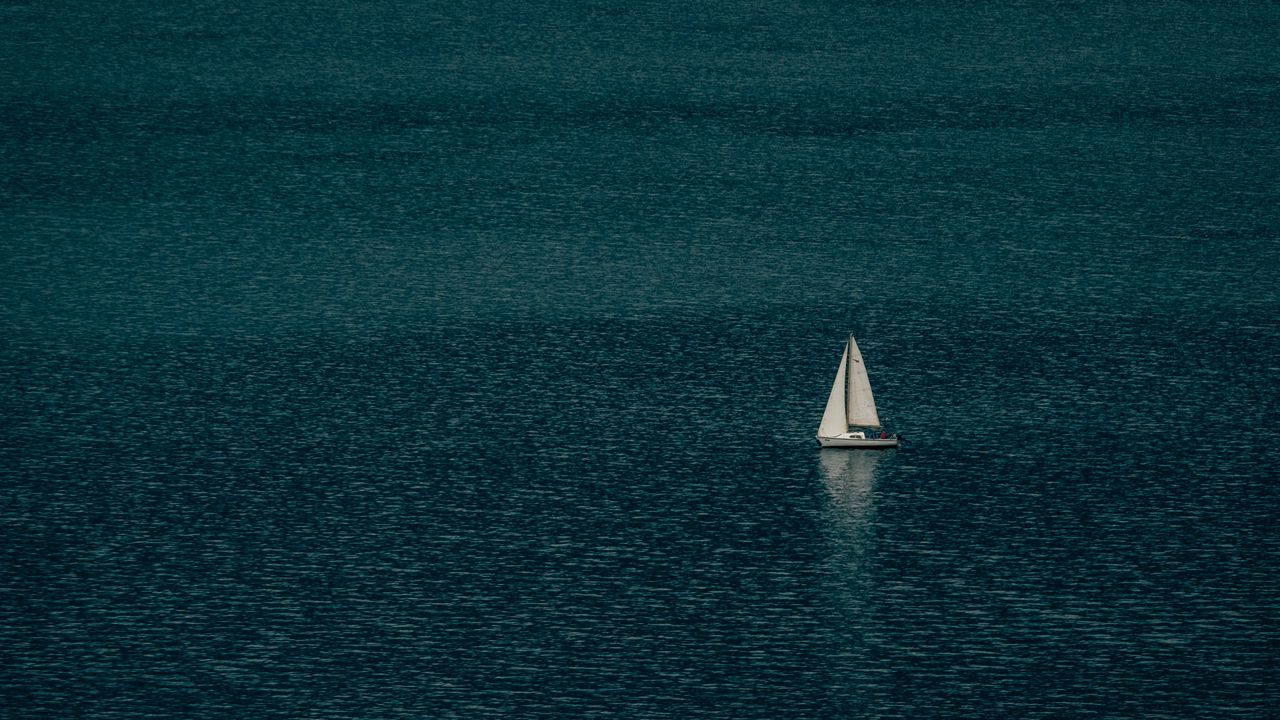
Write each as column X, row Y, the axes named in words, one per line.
column 841, row 441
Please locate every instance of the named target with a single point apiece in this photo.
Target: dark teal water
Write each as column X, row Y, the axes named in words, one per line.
column 413, row 360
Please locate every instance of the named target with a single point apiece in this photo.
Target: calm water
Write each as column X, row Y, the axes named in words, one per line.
column 450, row 360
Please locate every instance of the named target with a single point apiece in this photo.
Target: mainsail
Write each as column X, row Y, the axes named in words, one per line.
column 861, row 406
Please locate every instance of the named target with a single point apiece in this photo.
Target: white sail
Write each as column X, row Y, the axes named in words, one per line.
column 833, row 418
column 861, row 406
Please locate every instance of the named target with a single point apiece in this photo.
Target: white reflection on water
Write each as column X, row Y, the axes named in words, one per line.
column 849, row 476
column 849, row 519
column 849, row 479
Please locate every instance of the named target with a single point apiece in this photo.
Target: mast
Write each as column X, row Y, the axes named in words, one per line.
column 851, row 349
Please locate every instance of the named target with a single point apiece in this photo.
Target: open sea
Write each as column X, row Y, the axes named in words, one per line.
column 397, row 360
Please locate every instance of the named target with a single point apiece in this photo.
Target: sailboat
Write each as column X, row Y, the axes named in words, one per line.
column 851, row 420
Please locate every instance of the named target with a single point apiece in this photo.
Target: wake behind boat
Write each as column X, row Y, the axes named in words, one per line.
column 851, row 420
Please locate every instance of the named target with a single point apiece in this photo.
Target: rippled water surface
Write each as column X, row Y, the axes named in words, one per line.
column 396, row 360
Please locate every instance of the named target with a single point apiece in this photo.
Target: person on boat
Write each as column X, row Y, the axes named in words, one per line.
column 884, row 435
